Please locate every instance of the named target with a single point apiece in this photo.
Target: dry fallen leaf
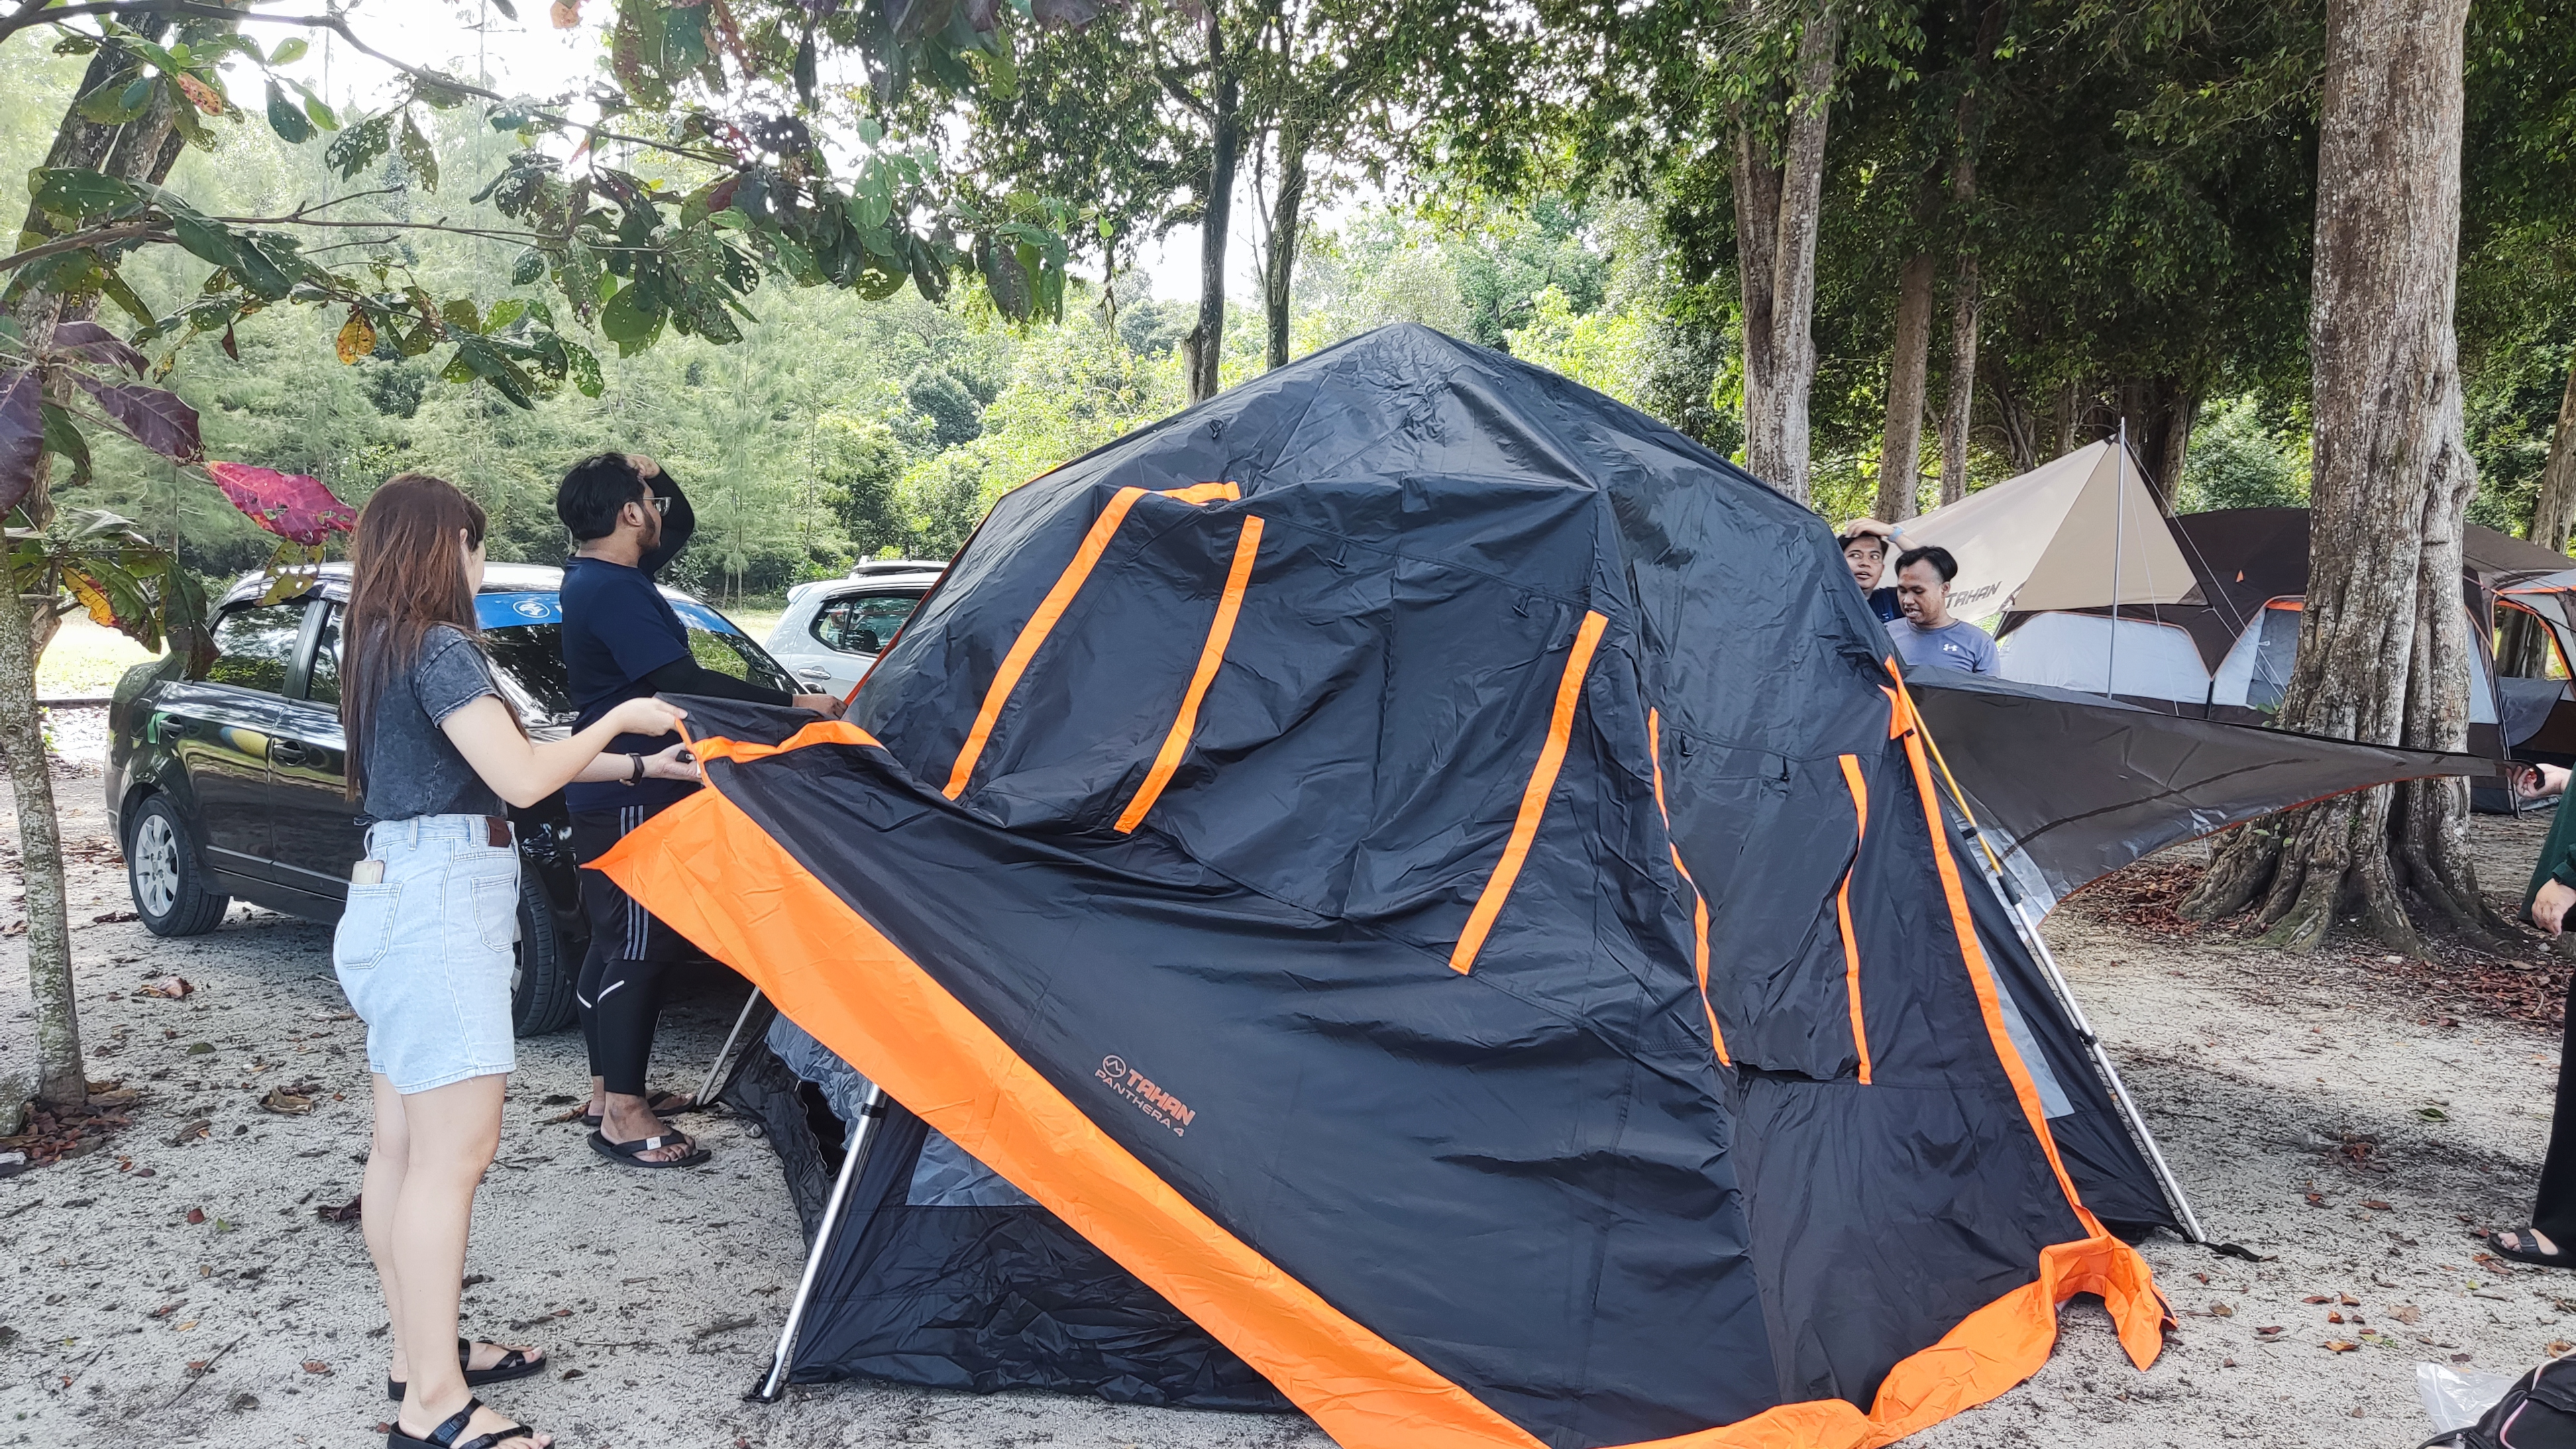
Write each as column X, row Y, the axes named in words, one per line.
column 2221, row 1310
column 2333, row 1317
column 2375, row 1205
column 2338, row 1345
column 286, row 1103
column 2316, row 1298
column 2349, row 1301
column 169, row 988
column 2406, row 1313
column 316, row 1366
column 196, row 1215
column 2560, row 1348
column 2269, row 1331
column 346, row 1212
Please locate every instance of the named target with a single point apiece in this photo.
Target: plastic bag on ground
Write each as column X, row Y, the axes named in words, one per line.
column 2456, row 1400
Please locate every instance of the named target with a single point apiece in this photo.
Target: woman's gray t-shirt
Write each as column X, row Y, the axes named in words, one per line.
column 412, row 767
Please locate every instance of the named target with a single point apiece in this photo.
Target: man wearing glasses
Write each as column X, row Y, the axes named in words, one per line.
column 622, row 640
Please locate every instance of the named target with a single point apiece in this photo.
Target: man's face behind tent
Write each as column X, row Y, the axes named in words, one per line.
column 1923, row 594
column 1866, row 557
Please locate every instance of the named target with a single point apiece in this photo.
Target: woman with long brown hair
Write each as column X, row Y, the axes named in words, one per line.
column 424, row 949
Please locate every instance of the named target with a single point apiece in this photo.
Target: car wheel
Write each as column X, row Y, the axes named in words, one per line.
column 168, row 881
column 548, row 967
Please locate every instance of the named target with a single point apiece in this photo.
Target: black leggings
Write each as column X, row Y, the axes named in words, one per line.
column 622, row 975
column 2555, row 1211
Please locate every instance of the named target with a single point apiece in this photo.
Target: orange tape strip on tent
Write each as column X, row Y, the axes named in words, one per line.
column 1542, row 783
column 1699, row 903
column 1842, row 909
column 1176, row 744
column 791, row 935
column 787, row 932
column 1034, row 633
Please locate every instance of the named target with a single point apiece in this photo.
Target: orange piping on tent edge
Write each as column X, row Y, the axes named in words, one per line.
column 1542, row 783
column 1176, row 744
column 1842, row 910
column 1699, row 903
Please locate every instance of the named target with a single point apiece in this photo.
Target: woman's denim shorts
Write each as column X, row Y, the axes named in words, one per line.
column 425, row 955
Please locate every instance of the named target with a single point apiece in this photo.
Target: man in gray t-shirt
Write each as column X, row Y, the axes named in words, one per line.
column 1927, row 637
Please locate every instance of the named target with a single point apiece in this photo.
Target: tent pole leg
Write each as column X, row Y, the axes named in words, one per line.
column 706, row 1089
column 2029, row 931
column 2119, row 1090
column 871, row 1113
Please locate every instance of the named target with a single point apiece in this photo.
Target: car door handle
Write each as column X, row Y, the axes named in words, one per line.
column 814, row 671
column 288, row 752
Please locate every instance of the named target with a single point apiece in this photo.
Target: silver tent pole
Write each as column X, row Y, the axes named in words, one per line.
column 2119, row 518
column 2028, row 930
column 706, row 1089
column 871, row 1113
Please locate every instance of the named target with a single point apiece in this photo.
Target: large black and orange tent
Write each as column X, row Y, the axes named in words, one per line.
column 1430, row 878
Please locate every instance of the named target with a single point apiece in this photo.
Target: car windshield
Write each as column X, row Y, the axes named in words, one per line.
column 532, row 667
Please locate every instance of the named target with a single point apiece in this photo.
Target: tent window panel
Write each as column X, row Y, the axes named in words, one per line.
column 2075, row 651
column 2276, row 653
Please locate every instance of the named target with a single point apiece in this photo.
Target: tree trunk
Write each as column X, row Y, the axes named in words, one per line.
column 1204, row 345
column 1900, row 447
column 139, row 150
column 1959, row 406
column 2382, row 643
column 1279, row 269
column 2021, row 423
column 2070, row 417
column 1778, row 200
column 2553, row 512
column 2159, row 412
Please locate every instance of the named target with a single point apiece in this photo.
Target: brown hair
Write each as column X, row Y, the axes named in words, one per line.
column 405, row 578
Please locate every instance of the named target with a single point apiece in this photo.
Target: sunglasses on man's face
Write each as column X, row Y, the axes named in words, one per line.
column 656, row 502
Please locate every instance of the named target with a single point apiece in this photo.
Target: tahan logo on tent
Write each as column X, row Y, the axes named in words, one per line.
column 530, row 608
column 1153, row 1101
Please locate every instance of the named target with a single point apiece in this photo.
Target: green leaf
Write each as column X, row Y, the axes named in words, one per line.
column 63, row 437
column 627, row 321
column 359, row 146
column 114, row 105
column 1008, row 281
column 289, row 51
column 123, row 296
column 456, row 370
column 527, row 267
column 504, row 312
column 314, row 106
column 584, row 367
column 870, row 132
column 77, row 194
column 205, row 240
column 460, row 314
column 291, row 125
column 486, row 362
column 417, row 154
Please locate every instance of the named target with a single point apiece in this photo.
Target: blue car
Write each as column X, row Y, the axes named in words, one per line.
column 230, row 786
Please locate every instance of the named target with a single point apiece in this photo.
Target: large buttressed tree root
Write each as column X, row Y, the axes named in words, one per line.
column 2383, row 641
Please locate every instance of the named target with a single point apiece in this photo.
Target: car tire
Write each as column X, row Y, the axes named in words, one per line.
column 167, row 879
column 548, row 967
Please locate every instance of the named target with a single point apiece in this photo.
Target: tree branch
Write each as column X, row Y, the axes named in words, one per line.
column 95, row 236
column 24, row 17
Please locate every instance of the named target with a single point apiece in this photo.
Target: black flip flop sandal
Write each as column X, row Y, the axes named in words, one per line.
column 444, row 1436
column 2532, row 1255
column 659, row 1104
column 513, row 1365
column 631, row 1154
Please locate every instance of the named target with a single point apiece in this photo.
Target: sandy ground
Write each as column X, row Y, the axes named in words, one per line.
column 2352, row 1130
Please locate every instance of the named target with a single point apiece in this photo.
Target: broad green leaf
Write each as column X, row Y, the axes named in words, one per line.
column 315, row 107
column 123, row 296
column 205, row 240
column 504, row 312
column 291, row 125
column 584, row 367
column 460, row 314
column 418, row 155
column 63, row 439
column 76, row 193
column 527, row 267
column 289, row 51
column 360, row 145
column 627, row 321
column 113, row 104
column 484, row 361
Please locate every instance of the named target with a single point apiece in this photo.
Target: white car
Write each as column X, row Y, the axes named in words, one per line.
column 834, row 629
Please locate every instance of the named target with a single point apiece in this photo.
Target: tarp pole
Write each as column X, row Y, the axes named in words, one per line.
column 2119, row 517
column 707, row 1088
column 871, row 1113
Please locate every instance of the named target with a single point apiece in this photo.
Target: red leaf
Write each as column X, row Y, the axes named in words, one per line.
column 291, row 505
column 22, row 434
column 154, row 417
column 196, row 1215
column 232, row 345
column 93, row 343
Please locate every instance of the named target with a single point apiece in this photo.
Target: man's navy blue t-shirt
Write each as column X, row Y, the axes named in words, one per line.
column 617, row 628
column 1882, row 602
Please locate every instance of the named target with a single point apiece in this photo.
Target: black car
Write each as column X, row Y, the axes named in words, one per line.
column 230, row 785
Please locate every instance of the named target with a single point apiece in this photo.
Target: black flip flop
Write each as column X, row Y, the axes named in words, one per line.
column 444, row 1436
column 659, row 1104
column 2560, row 1259
column 631, row 1154
column 513, row 1365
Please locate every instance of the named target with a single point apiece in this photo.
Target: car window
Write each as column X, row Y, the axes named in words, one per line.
column 735, row 655
column 528, row 659
column 322, row 681
column 254, row 646
column 862, row 623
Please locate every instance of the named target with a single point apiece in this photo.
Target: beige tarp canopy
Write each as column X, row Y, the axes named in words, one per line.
column 2045, row 540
